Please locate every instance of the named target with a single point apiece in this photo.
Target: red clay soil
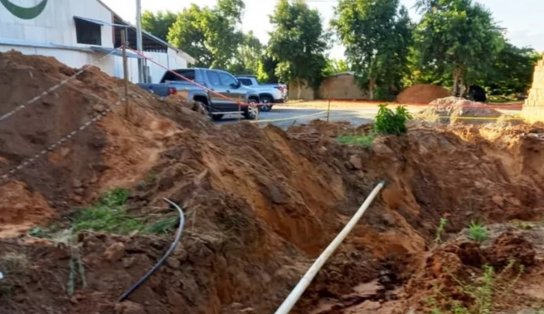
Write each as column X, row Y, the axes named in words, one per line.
column 260, row 203
column 422, row 94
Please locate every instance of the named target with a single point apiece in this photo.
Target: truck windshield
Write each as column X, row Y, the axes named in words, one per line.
column 169, row 76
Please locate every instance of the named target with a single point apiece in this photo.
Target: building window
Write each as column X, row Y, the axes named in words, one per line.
column 88, row 32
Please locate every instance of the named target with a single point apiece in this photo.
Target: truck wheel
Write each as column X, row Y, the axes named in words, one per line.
column 252, row 110
column 265, row 103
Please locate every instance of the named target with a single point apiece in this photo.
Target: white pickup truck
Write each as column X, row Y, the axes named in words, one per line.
column 269, row 94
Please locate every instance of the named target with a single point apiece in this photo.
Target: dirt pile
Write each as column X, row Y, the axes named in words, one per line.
column 422, row 94
column 466, row 275
column 72, row 172
column 260, row 204
column 459, row 110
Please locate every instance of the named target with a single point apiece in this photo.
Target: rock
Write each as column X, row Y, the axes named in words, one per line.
column 129, row 307
column 498, row 200
column 76, row 183
column 114, row 252
column 99, row 108
column 128, row 261
column 356, row 162
column 173, row 263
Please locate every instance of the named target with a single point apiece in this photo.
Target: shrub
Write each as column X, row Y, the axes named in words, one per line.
column 392, row 122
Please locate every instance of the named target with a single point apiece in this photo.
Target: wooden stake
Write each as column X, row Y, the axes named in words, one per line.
column 125, row 69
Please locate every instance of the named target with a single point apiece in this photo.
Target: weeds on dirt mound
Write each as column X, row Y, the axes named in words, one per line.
column 482, row 294
column 109, row 214
column 477, row 232
column 392, row 122
column 358, row 140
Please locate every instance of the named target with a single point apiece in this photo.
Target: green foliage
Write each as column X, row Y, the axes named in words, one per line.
column 108, row 214
column 115, row 198
column 440, row 230
column 298, row 42
column 391, row 122
column 158, row 23
column 477, row 232
column 511, row 73
column 335, row 66
column 210, row 35
column 163, row 226
column 248, row 55
column 358, row 140
column 457, row 38
column 266, row 69
column 377, row 36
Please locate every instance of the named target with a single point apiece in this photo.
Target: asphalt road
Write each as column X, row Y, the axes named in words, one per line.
column 284, row 117
column 357, row 114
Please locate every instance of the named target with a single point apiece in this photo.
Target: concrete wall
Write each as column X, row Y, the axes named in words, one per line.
column 306, row 93
column 341, row 86
column 533, row 109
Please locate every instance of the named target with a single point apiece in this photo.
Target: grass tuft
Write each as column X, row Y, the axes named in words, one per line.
column 357, row 140
column 477, row 232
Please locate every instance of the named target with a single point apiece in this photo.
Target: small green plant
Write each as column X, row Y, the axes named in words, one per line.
column 358, row 140
column 391, row 122
column 477, row 232
column 108, row 214
column 115, row 197
column 440, row 230
column 163, row 226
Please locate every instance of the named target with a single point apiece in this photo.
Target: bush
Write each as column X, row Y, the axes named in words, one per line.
column 392, row 122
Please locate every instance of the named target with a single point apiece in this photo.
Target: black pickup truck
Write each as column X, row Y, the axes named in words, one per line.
column 217, row 91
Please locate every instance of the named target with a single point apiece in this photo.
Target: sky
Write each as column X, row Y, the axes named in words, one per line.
column 523, row 19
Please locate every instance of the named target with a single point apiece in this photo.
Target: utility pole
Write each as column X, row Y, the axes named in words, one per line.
column 139, row 41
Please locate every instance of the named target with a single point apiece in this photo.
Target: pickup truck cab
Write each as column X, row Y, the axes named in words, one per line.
column 269, row 94
column 218, row 92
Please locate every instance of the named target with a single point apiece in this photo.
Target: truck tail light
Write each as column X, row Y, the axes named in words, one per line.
column 172, row 91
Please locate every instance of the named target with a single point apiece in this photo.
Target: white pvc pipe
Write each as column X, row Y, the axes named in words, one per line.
column 297, row 292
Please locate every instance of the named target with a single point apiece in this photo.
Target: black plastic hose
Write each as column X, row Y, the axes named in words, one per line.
column 127, row 293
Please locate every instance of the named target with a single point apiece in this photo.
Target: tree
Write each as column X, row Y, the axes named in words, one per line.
column 248, row 55
column 335, row 66
column 511, row 72
column 298, row 43
column 158, row 24
column 457, row 38
column 210, row 35
column 266, row 71
column 377, row 35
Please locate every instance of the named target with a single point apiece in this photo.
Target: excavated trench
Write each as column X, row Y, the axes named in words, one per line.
column 260, row 205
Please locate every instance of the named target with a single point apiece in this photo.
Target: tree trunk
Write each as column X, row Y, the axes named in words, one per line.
column 299, row 88
column 371, row 87
column 458, row 84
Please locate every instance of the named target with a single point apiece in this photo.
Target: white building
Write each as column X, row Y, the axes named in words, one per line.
column 79, row 32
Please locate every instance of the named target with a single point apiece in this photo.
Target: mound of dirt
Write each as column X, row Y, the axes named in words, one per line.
column 422, row 94
column 260, row 203
column 454, row 273
column 459, row 110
